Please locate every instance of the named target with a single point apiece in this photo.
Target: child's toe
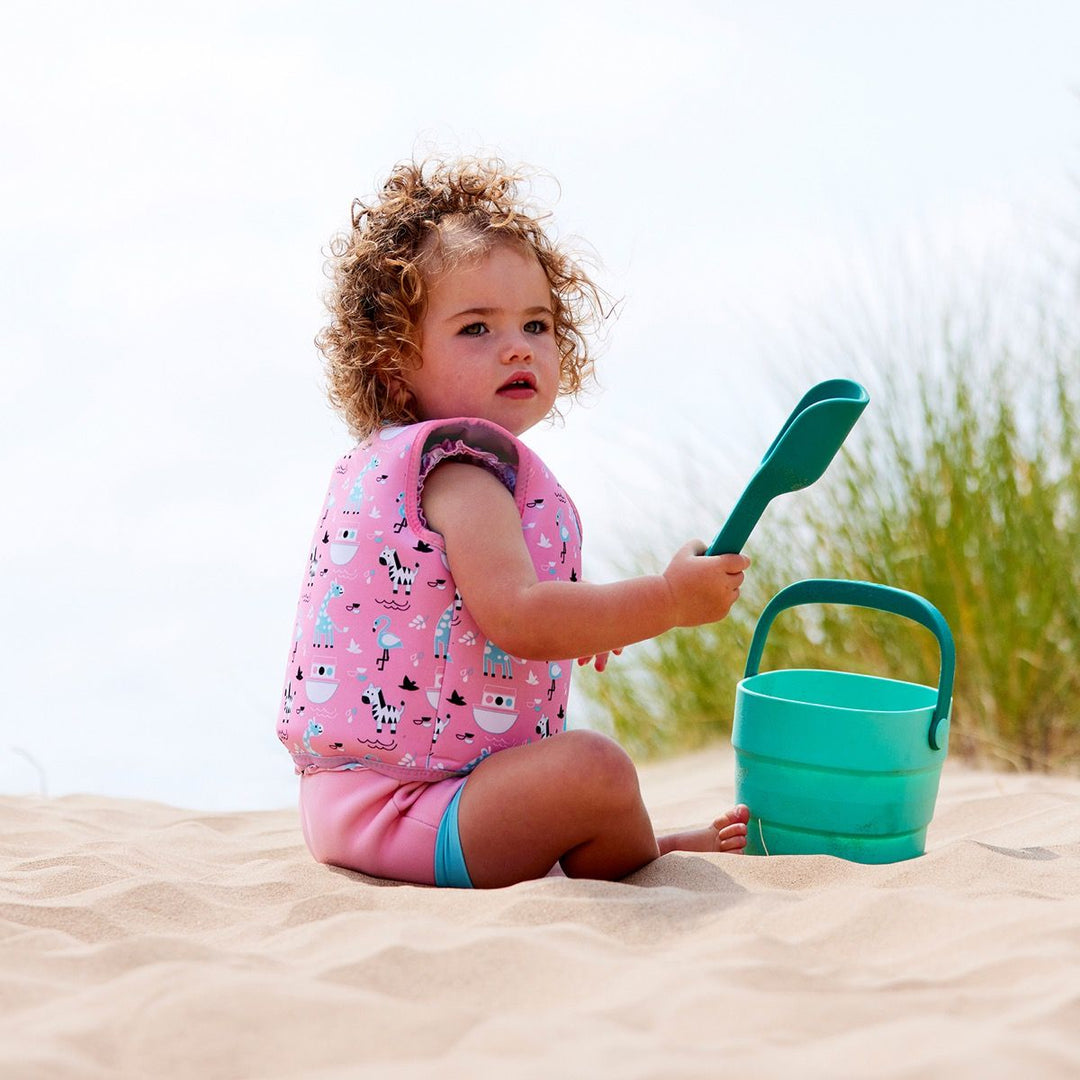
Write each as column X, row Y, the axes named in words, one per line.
column 737, row 815
column 734, row 843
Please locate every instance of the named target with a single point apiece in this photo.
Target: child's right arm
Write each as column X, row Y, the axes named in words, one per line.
column 539, row 620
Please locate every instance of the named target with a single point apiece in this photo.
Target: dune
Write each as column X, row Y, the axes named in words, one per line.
column 142, row 940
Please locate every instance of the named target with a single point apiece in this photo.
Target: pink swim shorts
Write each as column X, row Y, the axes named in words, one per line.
column 364, row 821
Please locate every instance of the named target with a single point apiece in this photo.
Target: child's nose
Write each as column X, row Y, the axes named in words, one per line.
column 518, row 347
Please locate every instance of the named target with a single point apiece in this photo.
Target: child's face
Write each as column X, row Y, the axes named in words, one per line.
column 487, row 343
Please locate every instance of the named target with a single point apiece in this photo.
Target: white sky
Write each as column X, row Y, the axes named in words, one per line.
column 172, row 172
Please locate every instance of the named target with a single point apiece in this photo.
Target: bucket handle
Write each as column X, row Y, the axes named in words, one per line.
column 867, row 595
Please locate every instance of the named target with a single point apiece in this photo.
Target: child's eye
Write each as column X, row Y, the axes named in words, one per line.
column 536, row 326
column 474, row 329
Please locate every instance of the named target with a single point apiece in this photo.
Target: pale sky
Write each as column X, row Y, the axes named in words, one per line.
column 172, row 174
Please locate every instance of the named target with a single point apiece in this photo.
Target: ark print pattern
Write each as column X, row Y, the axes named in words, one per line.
column 388, row 670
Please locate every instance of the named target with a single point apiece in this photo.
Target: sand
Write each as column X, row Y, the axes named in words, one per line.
column 140, row 940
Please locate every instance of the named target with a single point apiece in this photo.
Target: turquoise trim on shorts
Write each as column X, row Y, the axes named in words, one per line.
column 450, row 869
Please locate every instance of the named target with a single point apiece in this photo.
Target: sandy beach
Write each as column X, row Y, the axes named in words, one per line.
column 141, row 940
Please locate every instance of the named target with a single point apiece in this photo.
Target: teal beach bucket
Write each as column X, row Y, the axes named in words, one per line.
column 834, row 763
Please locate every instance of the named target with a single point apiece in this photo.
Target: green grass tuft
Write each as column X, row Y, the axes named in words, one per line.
column 963, row 486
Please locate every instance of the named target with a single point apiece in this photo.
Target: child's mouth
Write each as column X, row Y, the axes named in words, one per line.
column 520, row 386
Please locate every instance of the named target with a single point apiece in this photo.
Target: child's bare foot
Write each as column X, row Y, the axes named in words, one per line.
column 727, row 834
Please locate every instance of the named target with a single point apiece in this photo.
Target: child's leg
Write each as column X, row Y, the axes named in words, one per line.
column 573, row 799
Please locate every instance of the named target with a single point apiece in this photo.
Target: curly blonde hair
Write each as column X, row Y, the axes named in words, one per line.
column 428, row 217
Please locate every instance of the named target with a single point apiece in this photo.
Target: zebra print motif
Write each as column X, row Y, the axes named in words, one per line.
column 399, row 575
column 381, row 712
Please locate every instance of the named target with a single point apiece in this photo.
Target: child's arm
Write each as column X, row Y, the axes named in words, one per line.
column 539, row 620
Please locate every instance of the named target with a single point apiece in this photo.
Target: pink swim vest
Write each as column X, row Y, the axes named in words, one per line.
column 388, row 670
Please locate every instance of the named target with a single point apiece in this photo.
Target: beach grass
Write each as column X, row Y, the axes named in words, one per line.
column 962, row 484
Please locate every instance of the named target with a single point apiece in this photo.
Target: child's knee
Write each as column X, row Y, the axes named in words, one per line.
column 602, row 763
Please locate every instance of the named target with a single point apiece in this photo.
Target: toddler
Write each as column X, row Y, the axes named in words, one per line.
column 443, row 605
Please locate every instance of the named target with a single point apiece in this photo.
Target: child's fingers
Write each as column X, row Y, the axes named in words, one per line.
column 732, row 564
column 600, row 659
column 704, row 588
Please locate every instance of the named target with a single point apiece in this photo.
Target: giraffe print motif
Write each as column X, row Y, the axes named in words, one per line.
column 494, row 657
column 324, row 625
column 356, row 492
column 442, row 630
column 310, row 732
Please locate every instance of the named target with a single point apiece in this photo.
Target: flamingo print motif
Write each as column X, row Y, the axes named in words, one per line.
column 385, row 640
column 555, row 673
column 564, row 534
